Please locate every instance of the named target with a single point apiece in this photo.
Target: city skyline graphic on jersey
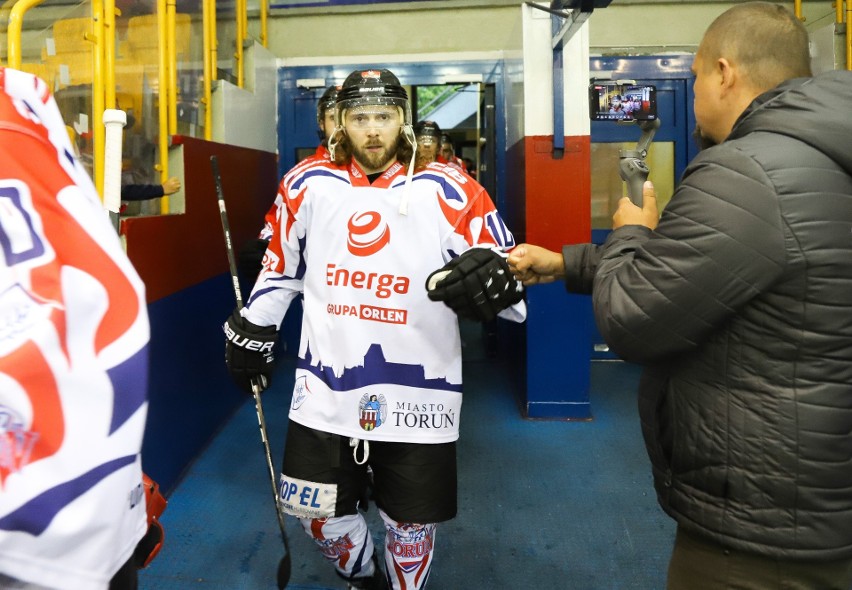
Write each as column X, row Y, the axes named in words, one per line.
column 374, row 370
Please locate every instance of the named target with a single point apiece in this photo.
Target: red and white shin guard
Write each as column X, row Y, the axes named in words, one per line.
column 408, row 553
column 344, row 541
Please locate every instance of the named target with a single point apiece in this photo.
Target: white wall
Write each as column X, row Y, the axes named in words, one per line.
column 251, row 111
column 538, row 77
column 639, row 28
column 626, row 26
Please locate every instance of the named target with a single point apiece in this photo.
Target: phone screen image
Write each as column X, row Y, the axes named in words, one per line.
column 622, row 102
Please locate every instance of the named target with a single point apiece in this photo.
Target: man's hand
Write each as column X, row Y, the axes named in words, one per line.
column 171, row 186
column 248, row 352
column 629, row 214
column 477, row 285
column 534, row 264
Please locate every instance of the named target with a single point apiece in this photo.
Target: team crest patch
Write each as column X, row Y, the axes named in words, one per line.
column 372, row 410
column 300, row 392
column 411, row 545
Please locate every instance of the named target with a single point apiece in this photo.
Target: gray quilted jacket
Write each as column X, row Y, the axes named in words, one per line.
column 739, row 305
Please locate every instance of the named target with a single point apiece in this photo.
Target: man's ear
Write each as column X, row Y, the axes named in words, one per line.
column 727, row 75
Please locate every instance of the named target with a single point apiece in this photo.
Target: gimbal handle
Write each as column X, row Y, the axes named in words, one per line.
column 632, row 167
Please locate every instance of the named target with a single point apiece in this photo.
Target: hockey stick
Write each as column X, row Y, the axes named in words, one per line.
column 284, row 565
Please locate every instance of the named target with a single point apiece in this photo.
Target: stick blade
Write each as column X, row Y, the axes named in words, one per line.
column 284, row 568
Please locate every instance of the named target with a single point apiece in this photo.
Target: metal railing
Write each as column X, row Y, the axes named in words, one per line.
column 102, row 36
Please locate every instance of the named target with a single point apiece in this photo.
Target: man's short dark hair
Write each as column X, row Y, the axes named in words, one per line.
column 765, row 40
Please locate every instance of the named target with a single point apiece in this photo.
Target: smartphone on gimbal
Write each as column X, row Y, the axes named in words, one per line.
column 619, row 101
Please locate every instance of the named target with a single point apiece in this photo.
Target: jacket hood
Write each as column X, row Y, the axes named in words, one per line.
column 813, row 110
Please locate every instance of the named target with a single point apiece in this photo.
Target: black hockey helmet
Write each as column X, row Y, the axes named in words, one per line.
column 326, row 101
column 373, row 87
column 427, row 130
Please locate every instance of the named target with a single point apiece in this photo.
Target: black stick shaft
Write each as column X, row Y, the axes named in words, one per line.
column 284, row 566
column 226, row 228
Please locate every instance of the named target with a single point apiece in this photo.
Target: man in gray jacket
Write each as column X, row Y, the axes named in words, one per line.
column 738, row 302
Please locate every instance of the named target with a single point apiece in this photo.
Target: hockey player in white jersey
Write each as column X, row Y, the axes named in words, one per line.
column 379, row 373
column 73, row 363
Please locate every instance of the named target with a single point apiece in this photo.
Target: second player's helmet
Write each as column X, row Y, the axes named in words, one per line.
column 372, row 87
column 326, row 101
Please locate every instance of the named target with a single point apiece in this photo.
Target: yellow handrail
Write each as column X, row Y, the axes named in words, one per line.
column 838, row 7
column 16, row 21
column 264, row 26
column 163, row 92
column 5, row 11
column 797, row 8
column 171, row 43
column 208, row 12
column 98, row 85
column 241, row 11
column 214, row 43
column 109, row 53
column 848, row 35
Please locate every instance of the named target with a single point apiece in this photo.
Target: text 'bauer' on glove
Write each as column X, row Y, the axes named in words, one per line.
column 248, row 352
column 476, row 285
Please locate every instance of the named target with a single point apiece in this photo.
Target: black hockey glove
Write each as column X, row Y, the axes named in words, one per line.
column 477, row 285
column 248, row 352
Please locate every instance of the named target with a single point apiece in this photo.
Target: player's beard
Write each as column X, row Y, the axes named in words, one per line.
column 377, row 160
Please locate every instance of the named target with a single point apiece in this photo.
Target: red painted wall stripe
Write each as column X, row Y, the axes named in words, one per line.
column 558, row 192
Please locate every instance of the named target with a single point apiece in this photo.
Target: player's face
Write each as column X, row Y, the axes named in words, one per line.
column 328, row 123
column 373, row 132
column 447, row 151
column 427, row 145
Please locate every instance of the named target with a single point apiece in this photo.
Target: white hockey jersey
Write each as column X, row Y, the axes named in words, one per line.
column 270, row 220
column 377, row 360
column 73, row 359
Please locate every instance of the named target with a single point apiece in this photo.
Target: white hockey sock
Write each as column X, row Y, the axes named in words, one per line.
column 408, row 553
column 344, row 541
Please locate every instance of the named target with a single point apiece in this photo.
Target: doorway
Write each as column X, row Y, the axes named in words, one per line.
column 669, row 153
column 470, row 108
column 466, row 113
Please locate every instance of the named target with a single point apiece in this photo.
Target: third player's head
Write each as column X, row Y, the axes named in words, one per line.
column 448, row 151
column 428, row 135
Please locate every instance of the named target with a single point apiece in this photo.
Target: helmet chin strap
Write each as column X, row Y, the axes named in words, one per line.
column 332, row 141
column 408, row 133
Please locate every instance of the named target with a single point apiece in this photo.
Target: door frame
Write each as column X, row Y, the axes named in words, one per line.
column 670, row 73
column 291, row 132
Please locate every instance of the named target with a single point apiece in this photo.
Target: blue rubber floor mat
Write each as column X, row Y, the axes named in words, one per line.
column 544, row 505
